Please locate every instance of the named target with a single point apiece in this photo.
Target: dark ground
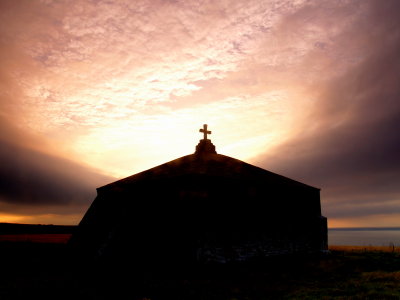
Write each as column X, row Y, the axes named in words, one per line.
column 46, row 271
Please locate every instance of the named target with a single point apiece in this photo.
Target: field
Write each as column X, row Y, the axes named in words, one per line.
column 356, row 249
column 49, row 238
column 42, row 270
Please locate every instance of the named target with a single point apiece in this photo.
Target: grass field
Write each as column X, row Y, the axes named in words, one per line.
column 32, row 270
column 51, row 238
column 392, row 248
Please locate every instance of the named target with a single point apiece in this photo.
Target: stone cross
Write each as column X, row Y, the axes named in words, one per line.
column 205, row 131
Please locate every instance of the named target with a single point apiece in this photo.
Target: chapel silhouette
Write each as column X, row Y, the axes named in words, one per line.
column 201, row 208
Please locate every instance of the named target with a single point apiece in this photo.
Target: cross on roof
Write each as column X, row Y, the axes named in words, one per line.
column 205, row 131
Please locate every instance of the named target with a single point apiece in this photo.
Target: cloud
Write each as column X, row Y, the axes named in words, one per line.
column 33, row 182
column 97, row 62
column 94, row 71
column 99, row 82
column 30, row 177
column 349, row 143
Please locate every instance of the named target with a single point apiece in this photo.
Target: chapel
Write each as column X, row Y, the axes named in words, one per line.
column 201, row 208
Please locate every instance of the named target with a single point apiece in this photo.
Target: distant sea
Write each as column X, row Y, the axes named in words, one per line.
column 382, row 236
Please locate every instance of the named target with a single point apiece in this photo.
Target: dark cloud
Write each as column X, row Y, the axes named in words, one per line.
column 349, row 145
column 32, row 178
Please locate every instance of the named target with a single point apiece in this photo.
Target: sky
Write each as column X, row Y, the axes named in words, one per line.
column 94, row 91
